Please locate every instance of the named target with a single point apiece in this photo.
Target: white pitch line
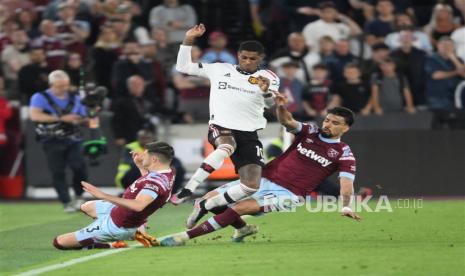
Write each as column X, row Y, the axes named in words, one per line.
column 72, row 262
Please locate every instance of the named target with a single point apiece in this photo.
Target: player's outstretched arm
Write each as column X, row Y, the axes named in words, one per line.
column 347, row 190
column 193, row 33
column 184, row 62
column 138, row 204
column 284, row 116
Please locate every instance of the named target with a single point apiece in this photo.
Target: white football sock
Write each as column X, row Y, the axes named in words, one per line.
column 233, row 194
column 213, row 162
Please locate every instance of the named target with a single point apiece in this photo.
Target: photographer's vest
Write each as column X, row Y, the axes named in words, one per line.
column 57, row 130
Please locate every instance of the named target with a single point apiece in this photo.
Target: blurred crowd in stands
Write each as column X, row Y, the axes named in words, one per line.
column 373, row 56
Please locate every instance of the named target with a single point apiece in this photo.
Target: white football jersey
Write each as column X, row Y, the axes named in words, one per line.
column 236, row 101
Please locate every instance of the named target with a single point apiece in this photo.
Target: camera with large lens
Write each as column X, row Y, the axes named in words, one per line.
column 92, row 98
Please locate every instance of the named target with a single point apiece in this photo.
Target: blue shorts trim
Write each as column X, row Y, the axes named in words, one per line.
column 270, row 196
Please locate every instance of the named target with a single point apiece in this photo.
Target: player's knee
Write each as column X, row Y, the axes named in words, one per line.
column 57, row 245
column 87, row 208
column 250, row 175
column 227, row 141
column 229, row 149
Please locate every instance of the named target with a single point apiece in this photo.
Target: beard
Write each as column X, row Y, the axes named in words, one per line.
column 326, row 134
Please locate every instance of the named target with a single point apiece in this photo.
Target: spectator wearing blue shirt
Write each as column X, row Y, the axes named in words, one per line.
column 57, row 115
column 218, row 51
column 339, row 59
column 443, row 70
column 380, row 27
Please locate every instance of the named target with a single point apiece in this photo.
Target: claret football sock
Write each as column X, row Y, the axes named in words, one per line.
column 214, row 223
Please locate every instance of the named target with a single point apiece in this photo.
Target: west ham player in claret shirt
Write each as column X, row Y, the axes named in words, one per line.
column 314, row 155
column 118, row 219
column 238, row 96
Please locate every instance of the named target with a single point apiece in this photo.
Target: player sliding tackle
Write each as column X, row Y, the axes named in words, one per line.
column 314, row 155
column 118, row 219
column 238, row 96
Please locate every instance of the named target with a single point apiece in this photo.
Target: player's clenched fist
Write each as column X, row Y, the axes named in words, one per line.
column 280, row 99
column 196, row 31
column 263, row 83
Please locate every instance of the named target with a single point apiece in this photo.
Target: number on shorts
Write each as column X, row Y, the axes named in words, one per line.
column 90, row 230
column 259, row 151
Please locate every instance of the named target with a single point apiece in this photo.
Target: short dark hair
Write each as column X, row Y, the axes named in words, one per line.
column 252, row 46
column 387, row 60
column 344, row 112
column 320, row 66
column 352, row 65
column 163, row 150
column 326, row 5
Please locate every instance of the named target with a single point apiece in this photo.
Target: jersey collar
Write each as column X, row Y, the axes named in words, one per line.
column 329, row 141
column 244, row 72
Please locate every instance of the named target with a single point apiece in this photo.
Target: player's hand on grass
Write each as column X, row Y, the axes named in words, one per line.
column 351, row 214
column 263, row 83
column 196, row 31
column 91, row 189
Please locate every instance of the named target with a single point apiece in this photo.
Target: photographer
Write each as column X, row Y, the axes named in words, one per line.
column 58, row 115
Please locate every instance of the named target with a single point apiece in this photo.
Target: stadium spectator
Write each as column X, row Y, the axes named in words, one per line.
column 269, row 22
column 441, row 23
column 52, row 10
column 15, row 5
column 353, row 93
column 105, row 53
column 7, row 26
column 26, row 19
column 390, row 91
column 296, row 51
column 339, row 59
column 54, row 48
column 132, row 112
column 33, row 77
column 443, row 72
column 458, row 36
column 328, row 26
column 409, row 61
column 292, row 88
column 131, row 63
column 404, row 22
column 193, row 91
column 377, row 29
column 72, row 32
column 218, row 51
column 166, row 51
column 159, row 79
column 316, row 95
column 173, row 17
column 327, row 47
column 370, row 66
column 74, row 69
column 300, row 13
column 126, row 29
column 13, row 58
column 57, row 114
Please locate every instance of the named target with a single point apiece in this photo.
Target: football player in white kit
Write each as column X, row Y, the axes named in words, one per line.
column 238, row 96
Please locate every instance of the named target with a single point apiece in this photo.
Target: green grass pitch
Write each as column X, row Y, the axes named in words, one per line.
column 408, row 241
